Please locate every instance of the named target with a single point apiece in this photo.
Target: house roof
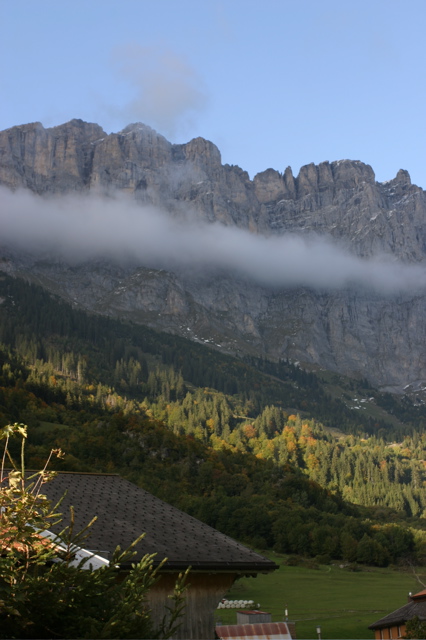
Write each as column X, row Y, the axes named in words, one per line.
column 258, row 631
column 415, row 607
column 124, row 511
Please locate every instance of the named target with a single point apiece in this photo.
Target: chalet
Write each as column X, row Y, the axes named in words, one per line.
column 124, row 511
column 393, row 625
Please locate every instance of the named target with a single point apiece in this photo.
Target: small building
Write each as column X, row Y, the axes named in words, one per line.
column 253, row 617
column 256, row 625
column 393, row 625
column 259, row 631
column 124, row 511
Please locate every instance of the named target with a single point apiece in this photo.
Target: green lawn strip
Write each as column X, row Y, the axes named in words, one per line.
column 342, row 602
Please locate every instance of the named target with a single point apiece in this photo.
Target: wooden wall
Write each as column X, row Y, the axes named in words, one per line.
column 205, row 592
column 390, row 633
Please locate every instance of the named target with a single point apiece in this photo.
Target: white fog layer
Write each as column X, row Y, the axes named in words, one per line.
column 79, row 228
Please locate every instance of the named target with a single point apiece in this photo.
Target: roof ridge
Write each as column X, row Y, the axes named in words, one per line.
column 84, row 473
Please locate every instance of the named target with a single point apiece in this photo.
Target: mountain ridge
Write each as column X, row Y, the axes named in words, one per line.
column 352, row 331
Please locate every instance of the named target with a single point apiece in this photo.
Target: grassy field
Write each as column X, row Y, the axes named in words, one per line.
column 342, row 602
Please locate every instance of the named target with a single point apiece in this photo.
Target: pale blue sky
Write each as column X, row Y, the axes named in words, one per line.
column 273, row 82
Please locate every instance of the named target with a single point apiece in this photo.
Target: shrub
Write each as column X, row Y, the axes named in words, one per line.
column 44, row 591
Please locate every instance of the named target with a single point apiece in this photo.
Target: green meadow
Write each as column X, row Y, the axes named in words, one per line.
column 342, row 602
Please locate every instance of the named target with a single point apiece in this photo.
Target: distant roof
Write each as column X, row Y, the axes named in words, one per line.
column 125, row 511
column 416, row 607
column 254, row 612
column 258, row 631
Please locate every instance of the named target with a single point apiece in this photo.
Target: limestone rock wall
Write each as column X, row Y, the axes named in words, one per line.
column 377, row 337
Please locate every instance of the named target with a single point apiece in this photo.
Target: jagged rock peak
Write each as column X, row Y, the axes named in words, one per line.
column 76, row 123
column 200, row 147
column 401, row 178
column 269, row 186
column 28, row 126
column 143, row 132
column 34, row 133
column 77, row 127
column 137, row 126
column 357, row 170
column 48, row 159
column 347, row 173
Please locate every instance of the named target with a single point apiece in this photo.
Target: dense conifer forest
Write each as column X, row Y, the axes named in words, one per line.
column 266, row 452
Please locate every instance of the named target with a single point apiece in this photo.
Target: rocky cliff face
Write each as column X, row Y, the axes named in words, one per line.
column 353, row 332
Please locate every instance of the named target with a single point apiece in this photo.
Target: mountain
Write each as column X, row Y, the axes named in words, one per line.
column 351, row 329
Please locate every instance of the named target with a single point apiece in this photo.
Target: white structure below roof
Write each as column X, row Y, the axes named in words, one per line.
column 81, row 557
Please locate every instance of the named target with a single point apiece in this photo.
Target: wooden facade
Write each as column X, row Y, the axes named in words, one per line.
column 390, row 633
column 205, row 592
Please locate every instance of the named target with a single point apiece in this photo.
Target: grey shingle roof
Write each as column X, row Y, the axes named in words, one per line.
column 125, row 511
column 400, row 616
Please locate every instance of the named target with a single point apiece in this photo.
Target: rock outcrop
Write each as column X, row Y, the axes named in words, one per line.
column 353, row 332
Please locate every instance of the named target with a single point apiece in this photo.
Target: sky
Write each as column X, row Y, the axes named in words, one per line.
column 274, row 83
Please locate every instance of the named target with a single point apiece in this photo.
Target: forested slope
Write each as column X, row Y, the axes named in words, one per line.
column 246, row 447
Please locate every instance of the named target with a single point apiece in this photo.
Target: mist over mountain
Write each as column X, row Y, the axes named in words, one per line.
column 82, row 227
column 327, row 267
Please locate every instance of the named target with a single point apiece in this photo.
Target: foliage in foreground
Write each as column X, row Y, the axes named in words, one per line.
column 415, row 628
column 44, row 592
